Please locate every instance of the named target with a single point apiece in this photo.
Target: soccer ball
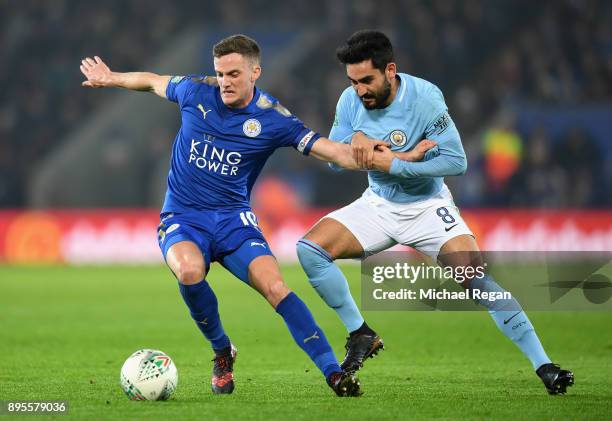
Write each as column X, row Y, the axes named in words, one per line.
column 148, row 374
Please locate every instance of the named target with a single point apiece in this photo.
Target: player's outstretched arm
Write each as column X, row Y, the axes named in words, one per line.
column 444, row 163
column 343, row 155
column 384, row 157
column 338, row 153
column 418, row 152
column 99, row 75
column 364, row 148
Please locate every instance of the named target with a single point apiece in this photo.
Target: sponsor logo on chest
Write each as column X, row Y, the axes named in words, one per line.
column 206, row 156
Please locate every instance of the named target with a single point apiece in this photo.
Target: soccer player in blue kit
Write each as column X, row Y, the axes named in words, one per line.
column 229, row 129
column 406, row 202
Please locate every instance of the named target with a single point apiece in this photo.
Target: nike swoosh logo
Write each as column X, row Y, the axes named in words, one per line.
column 447, row 229
column 513, row 316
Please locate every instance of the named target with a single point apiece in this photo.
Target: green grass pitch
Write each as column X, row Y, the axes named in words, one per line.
column 65, row 332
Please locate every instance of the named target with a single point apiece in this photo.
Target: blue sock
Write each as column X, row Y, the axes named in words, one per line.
column 329, row 282
column 204, row 309
column 512, row 321
column 307, row 334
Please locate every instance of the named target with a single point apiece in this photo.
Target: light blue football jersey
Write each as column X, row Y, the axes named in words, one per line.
column 417, row 112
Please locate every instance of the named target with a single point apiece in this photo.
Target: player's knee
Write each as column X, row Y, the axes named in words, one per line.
column 304, row 253
column 275, row 291
column 189, row 273
column 462, row 258
column 279, row 290
column 311, row 256
column 466, row 265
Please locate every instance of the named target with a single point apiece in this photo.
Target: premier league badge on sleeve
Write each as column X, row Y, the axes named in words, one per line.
column 251, row 127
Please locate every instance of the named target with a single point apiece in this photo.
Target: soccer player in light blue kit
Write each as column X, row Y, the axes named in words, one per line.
column 229, row 129
column 406, row 202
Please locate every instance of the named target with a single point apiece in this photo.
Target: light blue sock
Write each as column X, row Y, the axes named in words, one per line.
column 512, row 321
column 329, row 282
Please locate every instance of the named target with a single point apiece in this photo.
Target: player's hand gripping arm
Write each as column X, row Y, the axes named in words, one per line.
column 362, row 148
column 342, row 154
column 99, row 75
column 384, row 157
column 339, row 153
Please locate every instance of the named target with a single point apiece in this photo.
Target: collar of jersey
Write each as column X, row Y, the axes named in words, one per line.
column 402, row 94
column 249, row 109
column 406, row 94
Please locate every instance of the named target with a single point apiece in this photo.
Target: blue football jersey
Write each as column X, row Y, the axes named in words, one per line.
column 219, row 151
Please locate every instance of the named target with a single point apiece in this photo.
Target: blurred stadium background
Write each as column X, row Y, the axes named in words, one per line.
column 82, row 172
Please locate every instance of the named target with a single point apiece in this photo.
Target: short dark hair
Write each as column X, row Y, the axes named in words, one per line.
column 367, row 45
column 240, row 44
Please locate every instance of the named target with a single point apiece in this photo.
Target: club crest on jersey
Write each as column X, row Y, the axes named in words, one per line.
column 251, row 127
column 398, row 138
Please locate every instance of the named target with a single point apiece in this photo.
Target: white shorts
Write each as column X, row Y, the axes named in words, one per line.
column 379, row 224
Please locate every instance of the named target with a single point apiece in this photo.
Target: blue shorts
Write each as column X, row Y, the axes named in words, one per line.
column 230, row 237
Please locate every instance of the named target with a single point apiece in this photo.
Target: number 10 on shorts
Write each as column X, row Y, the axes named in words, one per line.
column 248, row 218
